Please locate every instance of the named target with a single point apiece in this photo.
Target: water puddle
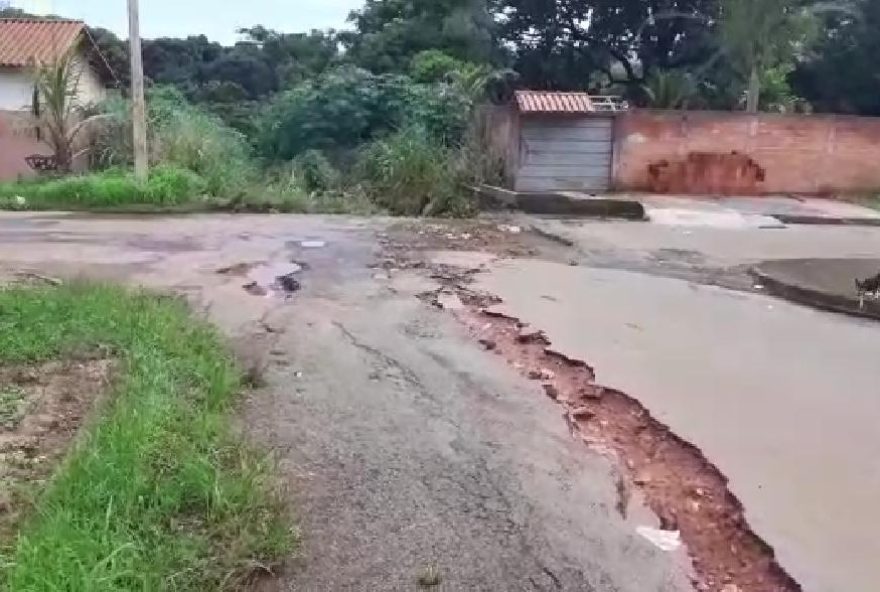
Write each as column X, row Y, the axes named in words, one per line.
column 278, row 279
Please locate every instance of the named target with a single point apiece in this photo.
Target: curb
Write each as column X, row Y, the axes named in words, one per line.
column 823, row 221
column 815, row 298
column 561, row 205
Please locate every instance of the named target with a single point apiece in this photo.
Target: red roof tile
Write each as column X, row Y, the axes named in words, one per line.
column 530, row 101
column 24, row 41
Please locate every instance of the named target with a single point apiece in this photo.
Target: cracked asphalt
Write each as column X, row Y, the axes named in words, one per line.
column 403, row 445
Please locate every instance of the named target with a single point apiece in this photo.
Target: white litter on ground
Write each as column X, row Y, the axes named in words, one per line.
column 665, row 540
column 510, row 229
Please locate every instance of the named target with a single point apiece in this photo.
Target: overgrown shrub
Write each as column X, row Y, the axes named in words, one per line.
column 347, row 107
column 180, row 135
column 409, row 173
column 433, row 65
column 173, row 185
column 314, row 172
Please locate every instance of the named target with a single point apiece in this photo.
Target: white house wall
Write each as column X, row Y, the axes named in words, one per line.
column 17, row 87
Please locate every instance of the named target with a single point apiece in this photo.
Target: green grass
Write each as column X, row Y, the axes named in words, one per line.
column 173, row 190
column 157, row 494
column 12, row 403
column 167, row 186
column 411, row 174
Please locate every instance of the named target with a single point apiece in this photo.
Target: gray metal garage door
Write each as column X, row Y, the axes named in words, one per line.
column 558, row 154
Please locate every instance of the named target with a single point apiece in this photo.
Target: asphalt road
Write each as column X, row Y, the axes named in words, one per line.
column 402, row 444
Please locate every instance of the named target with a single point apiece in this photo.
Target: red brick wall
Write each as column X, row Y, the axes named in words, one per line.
column 17, row 141
column 692, row 152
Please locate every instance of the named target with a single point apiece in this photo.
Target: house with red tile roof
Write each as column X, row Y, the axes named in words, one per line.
column 27, row 42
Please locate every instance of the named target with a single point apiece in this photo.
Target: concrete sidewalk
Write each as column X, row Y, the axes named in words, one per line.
column 828, row 284
column 755, row 212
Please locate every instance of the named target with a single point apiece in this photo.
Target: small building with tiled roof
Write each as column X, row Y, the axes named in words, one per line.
column 24, row 44
column 556, row 141
column 27, row 42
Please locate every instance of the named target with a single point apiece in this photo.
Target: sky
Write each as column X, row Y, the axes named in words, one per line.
column 217, row 19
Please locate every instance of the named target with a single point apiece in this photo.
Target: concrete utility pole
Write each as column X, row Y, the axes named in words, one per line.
column 138, row 103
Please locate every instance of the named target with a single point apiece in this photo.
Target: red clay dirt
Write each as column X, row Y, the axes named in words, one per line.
column 684, row 489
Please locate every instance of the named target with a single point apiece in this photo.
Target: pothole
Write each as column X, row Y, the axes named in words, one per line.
column 273, row 279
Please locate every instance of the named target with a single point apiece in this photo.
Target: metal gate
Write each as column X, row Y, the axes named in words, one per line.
column 561, row 154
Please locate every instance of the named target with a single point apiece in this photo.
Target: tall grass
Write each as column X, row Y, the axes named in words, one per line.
column 410, row 173
column 181, row 135
column 158, row 494
column 166, row 186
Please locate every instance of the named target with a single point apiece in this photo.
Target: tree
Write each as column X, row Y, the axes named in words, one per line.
column 294, row 57
column 181, row 62
column 57, row 109
column 348, row 106
column 761, row 36
column 389, row 33
column 669, row 89
column 841, row 72
column 581, row 44
column 245, row 66
column 115, row 52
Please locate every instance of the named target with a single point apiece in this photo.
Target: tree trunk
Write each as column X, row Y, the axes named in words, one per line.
column 753, row 95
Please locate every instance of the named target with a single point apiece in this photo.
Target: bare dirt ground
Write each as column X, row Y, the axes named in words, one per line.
column 42, row 408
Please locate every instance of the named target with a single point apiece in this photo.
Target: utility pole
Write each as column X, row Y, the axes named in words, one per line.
column 138, row 103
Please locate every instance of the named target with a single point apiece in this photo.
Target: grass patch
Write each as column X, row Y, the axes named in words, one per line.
column 411, row 174
column 12, row 403
column 173, row 190
column 167, row 186
column 158, row 494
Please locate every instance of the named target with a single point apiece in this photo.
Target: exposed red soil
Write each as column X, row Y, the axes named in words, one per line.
column 43, row 407
column 685, row 490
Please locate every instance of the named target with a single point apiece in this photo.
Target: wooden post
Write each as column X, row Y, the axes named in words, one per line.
column 138, row 103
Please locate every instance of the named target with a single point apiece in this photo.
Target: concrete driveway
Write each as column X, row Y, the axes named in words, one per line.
column 755, row 212
column 783, row 399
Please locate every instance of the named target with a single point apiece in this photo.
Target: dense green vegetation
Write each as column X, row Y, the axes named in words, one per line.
column 239, row 115
column 824, row 54
column 167, row 186
column 158, row 494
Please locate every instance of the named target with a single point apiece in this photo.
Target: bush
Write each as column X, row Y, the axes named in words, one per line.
column 167, row 186
column 181, row 135
column 314, row 172
column 433, row 65
column 410, row 174
column 347, row 107
column 170, row 185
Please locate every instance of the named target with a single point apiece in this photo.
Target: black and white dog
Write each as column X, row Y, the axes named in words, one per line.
column 869, row 288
